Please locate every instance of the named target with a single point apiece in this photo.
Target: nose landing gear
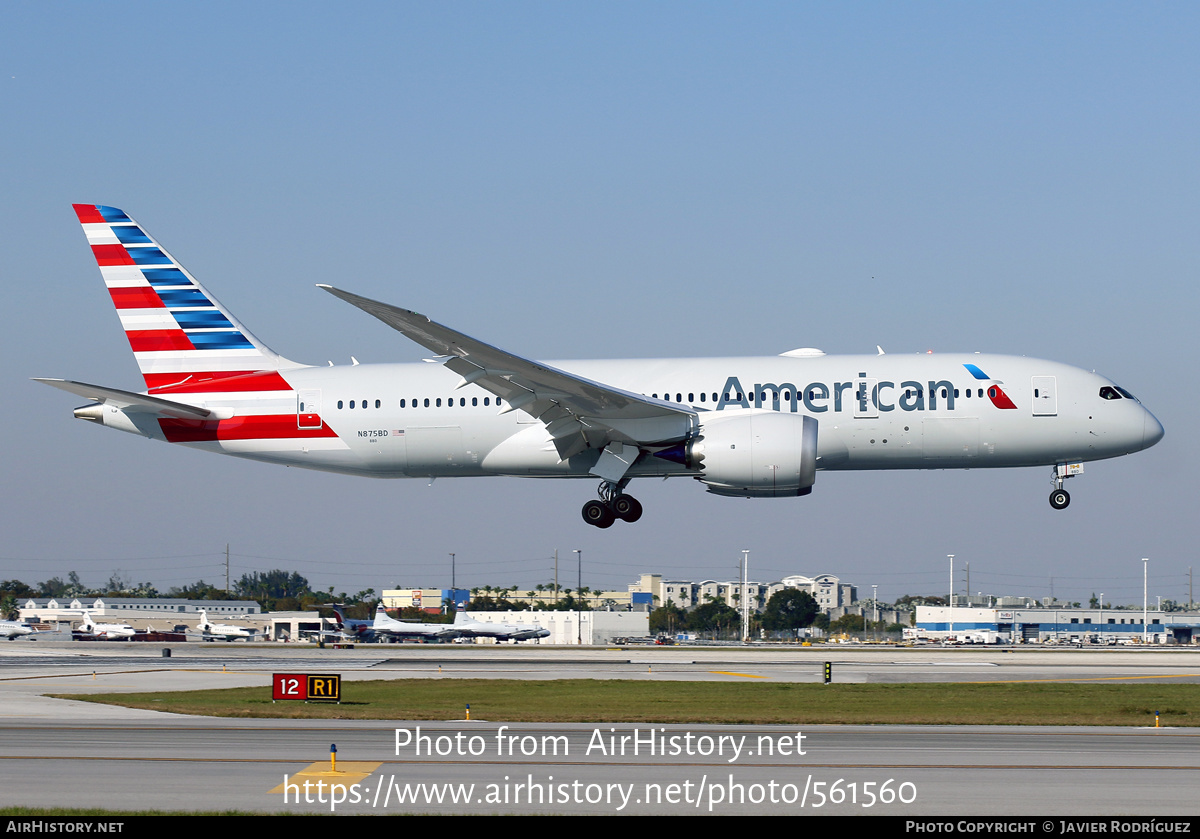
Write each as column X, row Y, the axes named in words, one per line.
column 1060, row 498
column 613, row 504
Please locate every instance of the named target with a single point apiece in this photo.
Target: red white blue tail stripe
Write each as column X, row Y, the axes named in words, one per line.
column 179, row 333
column 191, row 349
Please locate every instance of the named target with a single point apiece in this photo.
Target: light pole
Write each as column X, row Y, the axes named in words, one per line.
column 1101, row 617
column 579, row 594
column 745, row 597
column 950, row 602
column 875, row 612
column 1145, row 561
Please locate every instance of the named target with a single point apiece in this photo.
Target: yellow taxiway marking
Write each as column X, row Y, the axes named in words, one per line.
column 743, row 675
column 1090, row 679
column 348, row 772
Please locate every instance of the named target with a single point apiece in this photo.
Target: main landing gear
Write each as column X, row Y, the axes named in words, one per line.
column 613, row 504
column 1060, row 498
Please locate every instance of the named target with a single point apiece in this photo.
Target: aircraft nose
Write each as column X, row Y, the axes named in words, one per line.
column 1152, row 431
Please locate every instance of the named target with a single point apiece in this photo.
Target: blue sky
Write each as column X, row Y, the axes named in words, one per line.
column 618, row 179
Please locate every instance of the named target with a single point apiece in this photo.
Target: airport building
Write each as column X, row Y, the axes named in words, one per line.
column 1059, row 625
column 129, row 609
column 829, row 591
column 598, row 627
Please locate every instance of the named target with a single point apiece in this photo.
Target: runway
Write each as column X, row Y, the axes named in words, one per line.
column 71, row 754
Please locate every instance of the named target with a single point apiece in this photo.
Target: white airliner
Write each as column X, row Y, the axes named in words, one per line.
column 464, row 625
column 743, row 427
column 224, row 631
column 385, row 626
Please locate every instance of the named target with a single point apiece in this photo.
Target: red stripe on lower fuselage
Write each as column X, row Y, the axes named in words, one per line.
column 239, row 428
column 234, row 381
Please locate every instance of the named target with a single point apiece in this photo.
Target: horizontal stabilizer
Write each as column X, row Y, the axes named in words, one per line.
column 129, row 401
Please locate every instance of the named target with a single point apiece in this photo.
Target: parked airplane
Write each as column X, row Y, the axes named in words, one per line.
column 743, row 427
column 464, row 625
column 15, row 629
column 223, row 631
column 388, row 627
column 107, row 631
column 345, row 629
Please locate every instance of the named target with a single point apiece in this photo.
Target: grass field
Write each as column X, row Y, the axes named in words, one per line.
column 586, row 700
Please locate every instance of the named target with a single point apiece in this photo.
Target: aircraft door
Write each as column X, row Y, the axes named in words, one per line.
column 866, row 399
column 308, row 409
column 1045, row 396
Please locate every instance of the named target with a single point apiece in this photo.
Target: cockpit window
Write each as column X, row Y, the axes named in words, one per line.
column 1107, row 392
column 1126, row 394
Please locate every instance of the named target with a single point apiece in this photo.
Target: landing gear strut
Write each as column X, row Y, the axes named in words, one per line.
column 1060, row 498
column 613, row 504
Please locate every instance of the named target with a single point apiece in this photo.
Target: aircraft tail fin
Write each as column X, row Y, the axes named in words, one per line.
column 179, row 333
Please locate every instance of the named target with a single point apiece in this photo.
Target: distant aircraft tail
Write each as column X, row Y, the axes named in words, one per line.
column 382, row 619
column 182, row 337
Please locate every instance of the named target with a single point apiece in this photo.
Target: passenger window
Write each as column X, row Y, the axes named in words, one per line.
column 340, row 405
column 474, row 401
column 351, row 404
column 378, row 403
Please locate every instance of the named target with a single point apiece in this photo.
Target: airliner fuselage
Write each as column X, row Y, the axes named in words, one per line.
column 749, row 427
column 922, row 411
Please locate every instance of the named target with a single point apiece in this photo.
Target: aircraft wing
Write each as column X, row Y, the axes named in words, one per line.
column 578, row 413
column 128, row 400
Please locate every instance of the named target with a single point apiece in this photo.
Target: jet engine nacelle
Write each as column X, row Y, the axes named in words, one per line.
column 756, row 453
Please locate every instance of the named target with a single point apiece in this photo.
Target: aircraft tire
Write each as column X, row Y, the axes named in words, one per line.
column 627, row 508
column 1059, row 499
column 598, row 515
